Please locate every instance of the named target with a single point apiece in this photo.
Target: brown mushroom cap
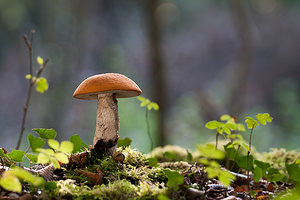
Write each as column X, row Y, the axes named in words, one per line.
column 115, row 83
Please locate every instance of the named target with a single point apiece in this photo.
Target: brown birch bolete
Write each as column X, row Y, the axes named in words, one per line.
column 106, row 88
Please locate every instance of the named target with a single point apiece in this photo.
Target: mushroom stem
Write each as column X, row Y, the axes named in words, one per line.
column 107, row 124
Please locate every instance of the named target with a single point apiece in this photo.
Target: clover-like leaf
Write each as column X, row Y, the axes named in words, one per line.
column 54, row 144
column 41, row 85
column 55, row 163
column 210, row 151
column 264, row 118
column 251, row 123
column 240, row 127
column 62, row 157
column 43, row 158
column 225, row 117
column 66, row 147
column 212, row 125
column 226, row 177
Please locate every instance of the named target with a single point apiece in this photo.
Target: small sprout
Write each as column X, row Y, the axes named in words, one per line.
column 251, row 123
column 28, row 76
column 41, row 85
column 60, row 153
column 40, row 60
column 147, row 103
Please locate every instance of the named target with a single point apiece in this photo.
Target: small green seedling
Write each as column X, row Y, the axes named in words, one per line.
column 252, row 124
column 58, row 152
column 227, row 126
column 213, row 168
column 149, row 105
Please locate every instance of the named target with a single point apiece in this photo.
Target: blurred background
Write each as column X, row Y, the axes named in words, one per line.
column 196, row 59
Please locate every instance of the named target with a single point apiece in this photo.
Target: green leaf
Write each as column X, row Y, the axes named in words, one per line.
column 227, row 130
column 10, row 182
column 298, row 161
column 226, row 177
column 251, row 123
column 55, row 163
column 45, row 133
column 230, row 126
column 66, row 147
column 155, row 106
column 124, row 142
column 293, row 171
column 152, row 162
column 242, row 162
column 62, row 157
column 40, row 60
column 50, row 185
column 41, row 85
column 210, row 151
column 264, row 118
column 140, row 98
column 277, row 177
column 35, row 142
column 162, row 197
column 27, row 176
column 32, row 157
column 212, row 172
column 263, row 165
column 174, row 179
column 16, row 155
column 246, row 146
column 231, row 151
column 43, row 158
column 28, row 76
column 170, row 156
column 189, row 156
column 258, row 173
column 212, row 125
column 54, row 144
column 225, row 117
column 78, row 144
column 240, row 127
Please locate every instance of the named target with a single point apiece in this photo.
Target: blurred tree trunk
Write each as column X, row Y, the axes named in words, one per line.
column 158, row 67
column 244, row 57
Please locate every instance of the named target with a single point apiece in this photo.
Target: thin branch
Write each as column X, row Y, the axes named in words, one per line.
column 31, row 83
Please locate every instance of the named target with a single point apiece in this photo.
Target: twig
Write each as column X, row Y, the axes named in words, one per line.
column 31, row 83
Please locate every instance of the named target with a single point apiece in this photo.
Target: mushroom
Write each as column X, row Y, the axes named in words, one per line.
column 106, row 88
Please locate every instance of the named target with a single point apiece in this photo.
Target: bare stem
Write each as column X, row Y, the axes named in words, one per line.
column 217, row 140
column 148, row 129
column 248, row 154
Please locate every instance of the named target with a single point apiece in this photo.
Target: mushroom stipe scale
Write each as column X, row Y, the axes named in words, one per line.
column 106, row 88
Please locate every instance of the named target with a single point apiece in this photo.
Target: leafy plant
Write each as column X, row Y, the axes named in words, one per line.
column 149, row 106
column 213, row 168
column 58, row 152
column 175, row 179
column 224, row 127
column 252, row 124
